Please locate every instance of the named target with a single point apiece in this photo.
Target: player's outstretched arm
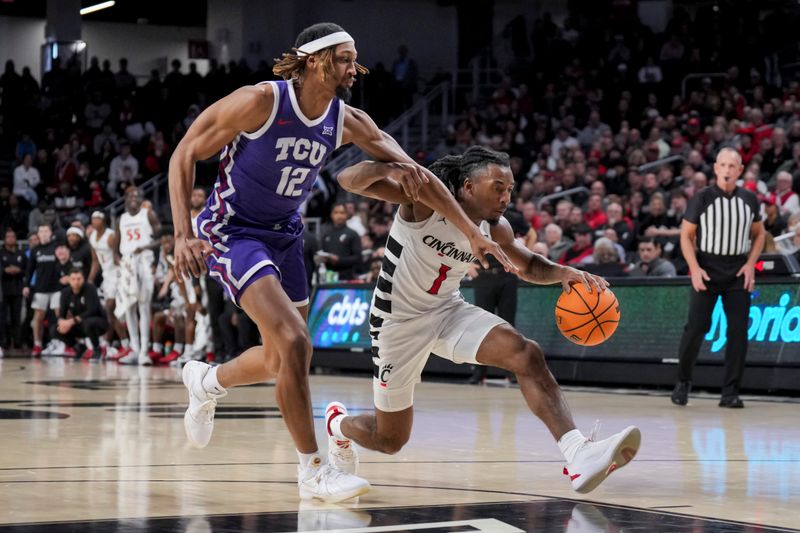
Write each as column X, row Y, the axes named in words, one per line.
column 535, row 268
column 245, row 109
column 382, row 181
column 360, row 129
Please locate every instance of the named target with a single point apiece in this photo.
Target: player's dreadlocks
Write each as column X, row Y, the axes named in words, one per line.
column 454, row 169
column 292, row 65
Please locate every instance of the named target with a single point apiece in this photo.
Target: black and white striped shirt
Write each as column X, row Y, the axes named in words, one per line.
column 723, row 220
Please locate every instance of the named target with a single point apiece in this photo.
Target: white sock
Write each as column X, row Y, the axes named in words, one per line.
column 178, row 347
column 126, row 343
column 210, row 383
column 569, row 443
column 37, row 343
column 158, row 347
column 336, row 427
column 309, row 460
column 103, row 342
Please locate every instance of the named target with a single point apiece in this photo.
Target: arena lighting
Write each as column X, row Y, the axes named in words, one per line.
column 97, row 7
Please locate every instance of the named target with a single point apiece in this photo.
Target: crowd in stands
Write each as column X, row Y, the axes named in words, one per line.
column 596, row 111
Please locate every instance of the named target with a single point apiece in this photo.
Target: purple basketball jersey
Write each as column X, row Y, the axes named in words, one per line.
column 251, row 218
column 264, row 176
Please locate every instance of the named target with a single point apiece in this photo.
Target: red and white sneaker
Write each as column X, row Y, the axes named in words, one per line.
column 88, row 354
column 68, row 351
column 122, row 352
column 594, row 461
column 342, row 453
column 155, row 356
column 37, row 351
column 171, row 356
column 210, row 357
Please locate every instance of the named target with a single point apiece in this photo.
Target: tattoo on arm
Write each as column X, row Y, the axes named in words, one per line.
column 540, row 270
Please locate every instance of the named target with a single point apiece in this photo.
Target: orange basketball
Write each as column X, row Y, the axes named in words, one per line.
column 587, row 318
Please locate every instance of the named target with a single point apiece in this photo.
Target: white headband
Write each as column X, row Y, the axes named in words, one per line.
column 333, row 39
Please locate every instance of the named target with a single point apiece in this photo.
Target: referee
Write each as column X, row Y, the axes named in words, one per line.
column 721, row 238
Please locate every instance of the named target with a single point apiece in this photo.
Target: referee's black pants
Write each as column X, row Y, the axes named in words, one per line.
column 736, row 303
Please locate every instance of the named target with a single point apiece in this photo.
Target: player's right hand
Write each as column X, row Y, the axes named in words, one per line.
column 190, row 254
column 698, row 275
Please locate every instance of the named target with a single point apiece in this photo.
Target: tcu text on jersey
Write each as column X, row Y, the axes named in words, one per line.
column 292, row 178
column 302, row 149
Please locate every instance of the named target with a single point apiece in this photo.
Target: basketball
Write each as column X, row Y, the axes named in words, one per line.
column 587, row 318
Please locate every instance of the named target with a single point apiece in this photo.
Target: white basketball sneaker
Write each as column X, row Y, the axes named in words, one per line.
column 144, row 359
column 341, row 452
column 329, row 484
column 594, row 461
column 199, row 418
column 131, row 359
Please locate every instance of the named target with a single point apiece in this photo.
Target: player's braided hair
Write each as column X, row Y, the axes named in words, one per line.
column 454, row 169
column 293, row 65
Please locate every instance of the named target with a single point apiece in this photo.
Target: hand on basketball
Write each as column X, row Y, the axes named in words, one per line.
column 481, row 246
column 411, row 177
column 190, row 256
column 698, row 275
column 749, row 273
column 590, row 281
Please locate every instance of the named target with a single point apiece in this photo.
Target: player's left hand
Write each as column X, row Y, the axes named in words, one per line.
column 749, row 273
column 411, row 177
column 590, row 281
column 481, row 246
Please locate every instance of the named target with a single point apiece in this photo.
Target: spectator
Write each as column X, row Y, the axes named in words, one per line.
column 650, row 261
column 605, row 261
column 563, row 140
column 617, row 221
column 107, row 135
column 579, row 252
column 124, row 80
column 778, row 154
column 15, row 218
column 404, row 75
column 80, row 252
column 26, row 179
column 25, row 146
column 341, row 246
column 116, row 176
column 65, row 169
column 66, row 201
column 774, row 222
column 14, row 264
column 97, row 112
column 650, row 73
column 594, row 216
column 557, row 243
column 785, row 198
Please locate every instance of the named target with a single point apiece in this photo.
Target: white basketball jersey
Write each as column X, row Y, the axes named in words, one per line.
column 422, row 267
column 105, row 255
column 134, row 231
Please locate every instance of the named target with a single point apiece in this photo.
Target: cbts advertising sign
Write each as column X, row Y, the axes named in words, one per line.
column 653, row 317
column 339, row 317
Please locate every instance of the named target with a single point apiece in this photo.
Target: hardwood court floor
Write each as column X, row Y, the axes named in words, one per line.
column 100, row 447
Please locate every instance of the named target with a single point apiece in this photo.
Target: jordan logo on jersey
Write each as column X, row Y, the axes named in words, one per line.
column 301, row 149
column 448, row 249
